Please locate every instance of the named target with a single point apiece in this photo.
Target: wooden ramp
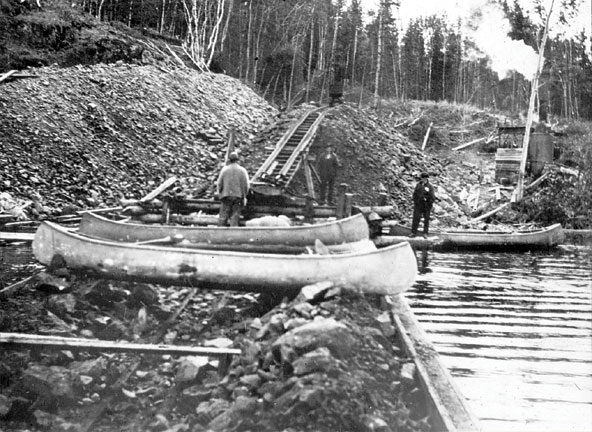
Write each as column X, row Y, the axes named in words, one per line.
column 281, row 165
column 449, row 410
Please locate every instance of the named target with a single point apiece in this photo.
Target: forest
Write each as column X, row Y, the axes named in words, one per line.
column 293, row 50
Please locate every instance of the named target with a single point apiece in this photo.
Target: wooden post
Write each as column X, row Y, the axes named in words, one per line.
column 340, row 202
column 309, row 209
column 308, row 176
column 230, row 144
column 347, row 205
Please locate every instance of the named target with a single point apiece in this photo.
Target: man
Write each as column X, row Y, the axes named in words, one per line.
column 423, row 199
column 327, row 167
column 233, row 186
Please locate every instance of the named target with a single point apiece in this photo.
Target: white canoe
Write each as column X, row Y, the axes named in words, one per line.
column 383, row 271
column 339, row 231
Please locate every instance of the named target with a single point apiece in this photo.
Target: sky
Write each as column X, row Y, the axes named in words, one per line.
column 484, row 22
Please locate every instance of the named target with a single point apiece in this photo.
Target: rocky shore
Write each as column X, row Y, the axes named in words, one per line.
column 323, row 360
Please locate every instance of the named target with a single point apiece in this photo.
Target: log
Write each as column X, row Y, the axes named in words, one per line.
column 569, row 171
column 160, row 189
column 537, row 181
column 417, row 242
column 385, row 212
column 478, row 140
column 486, row 215
column 16, row 236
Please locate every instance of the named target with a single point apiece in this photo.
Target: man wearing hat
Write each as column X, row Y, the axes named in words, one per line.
column 327, row 167
column 423, row 199
column 233, row 187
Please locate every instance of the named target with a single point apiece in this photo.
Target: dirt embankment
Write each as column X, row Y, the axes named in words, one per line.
column 86, row 136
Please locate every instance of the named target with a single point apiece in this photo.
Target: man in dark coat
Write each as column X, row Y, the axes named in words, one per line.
column 327, row 167
column 232, row 187
column 423, row 199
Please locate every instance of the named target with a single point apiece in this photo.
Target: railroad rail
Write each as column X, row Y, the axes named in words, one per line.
column 290, row 153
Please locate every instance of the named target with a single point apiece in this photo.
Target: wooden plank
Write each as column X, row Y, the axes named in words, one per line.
column 450, row 411
column 11, row 289
column 160, row 189
column 20, row 340
column 425, row 139
column 7, row 75
column 478, row 140
column 16, row 236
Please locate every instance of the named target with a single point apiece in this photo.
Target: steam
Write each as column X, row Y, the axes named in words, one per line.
column 488, row 27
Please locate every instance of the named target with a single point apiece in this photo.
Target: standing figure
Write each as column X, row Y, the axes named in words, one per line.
column 327, row 167
column 423, row 199
column 233, row 186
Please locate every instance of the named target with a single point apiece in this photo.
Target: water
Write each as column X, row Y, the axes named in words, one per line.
column 515, row 331
column 16, row 263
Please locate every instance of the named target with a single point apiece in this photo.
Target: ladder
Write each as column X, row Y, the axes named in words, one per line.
column 290, row 152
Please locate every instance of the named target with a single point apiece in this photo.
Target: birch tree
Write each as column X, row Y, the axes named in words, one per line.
column 204, row 20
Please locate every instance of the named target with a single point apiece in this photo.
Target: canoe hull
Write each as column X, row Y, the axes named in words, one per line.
column 475, row 239
column 346, row 230
column 540, row 239
column 385, row 271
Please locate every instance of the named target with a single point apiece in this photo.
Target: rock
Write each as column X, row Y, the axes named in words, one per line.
column 93, row 368
column 209, row 410
column 143, row 294
column 189, row 368
column 385, row 323
column 319, row 360
column 62, row 305
column 52, row 382
column 5, row 405
column 114, row 330
column 50, row 284
column 408, row 374
column 319, row 333
column 375, row 424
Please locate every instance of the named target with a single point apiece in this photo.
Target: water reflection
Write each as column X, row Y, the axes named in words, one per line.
column 515, row 330
column 16, row 263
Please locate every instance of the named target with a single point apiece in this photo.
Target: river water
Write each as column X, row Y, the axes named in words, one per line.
column 515, row 332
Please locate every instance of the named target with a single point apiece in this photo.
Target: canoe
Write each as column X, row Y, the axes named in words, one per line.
column 547, row 237
column 386, row 271
column 345, row 230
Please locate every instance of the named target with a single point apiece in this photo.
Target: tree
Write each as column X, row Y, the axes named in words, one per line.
column 204, row 19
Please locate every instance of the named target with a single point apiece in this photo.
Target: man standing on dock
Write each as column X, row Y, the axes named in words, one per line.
column 423, row 199
column 233, row 187
column 327, row 168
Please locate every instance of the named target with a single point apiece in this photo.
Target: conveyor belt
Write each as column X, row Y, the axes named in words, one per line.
column 279, row 168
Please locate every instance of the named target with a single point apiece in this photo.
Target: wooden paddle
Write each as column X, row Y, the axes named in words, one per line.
column 174, row 239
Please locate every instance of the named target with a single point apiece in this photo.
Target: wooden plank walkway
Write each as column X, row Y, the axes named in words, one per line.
column 450, row 409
